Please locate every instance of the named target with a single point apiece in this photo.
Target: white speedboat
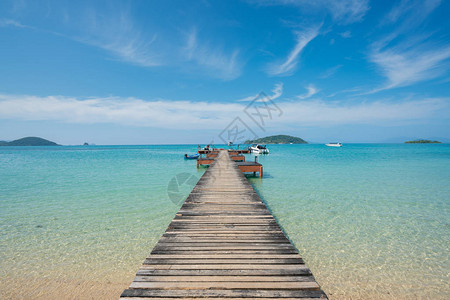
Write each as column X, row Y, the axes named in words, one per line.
column 334, row 145
column 258, row 149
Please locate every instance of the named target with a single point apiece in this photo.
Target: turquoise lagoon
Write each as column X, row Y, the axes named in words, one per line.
column 371, row 220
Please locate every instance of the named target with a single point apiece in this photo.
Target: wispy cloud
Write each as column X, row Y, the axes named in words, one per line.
column 404, row 65
column 415, row 10
column 116, row 32
column 112, row 29
column 330, row 72
column 346, row 34
column 277, row 92
column 347, row 11
column 342, row 11
column 406, row 16
column 311, row 91
column 220, row 64
column 200, row 115
column 289, row 64
column 407, row 55
column 12, row 23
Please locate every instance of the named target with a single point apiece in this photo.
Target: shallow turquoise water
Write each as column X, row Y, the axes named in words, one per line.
column 359, row 215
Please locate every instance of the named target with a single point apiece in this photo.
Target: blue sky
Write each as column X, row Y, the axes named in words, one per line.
column 150, row 72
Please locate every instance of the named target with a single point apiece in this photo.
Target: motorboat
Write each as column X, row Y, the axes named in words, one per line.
column 258, row 149
column 194, row 156
column 334, row 145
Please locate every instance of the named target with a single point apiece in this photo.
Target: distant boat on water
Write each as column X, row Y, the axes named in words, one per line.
column 258, row 149
column 194, row 156
column 334, row 145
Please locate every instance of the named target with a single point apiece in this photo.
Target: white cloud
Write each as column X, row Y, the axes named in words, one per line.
column 347, row 11
column 289, row 64
column 126, row 111
column 322, row 113
column 277, row 92
column 311, row 91
column 342, row 11
column 409, row 15
column 407, row 65
column 12, row 23
column 407, row 54
column 201, row 115
column 415, row 10
column 330, row 72
column 220, row 64
column 346, row 34
column 116, row 32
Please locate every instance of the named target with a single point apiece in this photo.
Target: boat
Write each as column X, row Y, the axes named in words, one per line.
column 334, row 145
column 230, row 143
column 194, row 156
column 258, row 149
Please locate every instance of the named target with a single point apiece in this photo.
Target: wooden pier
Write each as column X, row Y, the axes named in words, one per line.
column 237, row 157
column 223, row 244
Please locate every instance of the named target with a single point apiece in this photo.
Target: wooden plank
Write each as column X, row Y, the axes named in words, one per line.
column 180, row 241
column 242, row 261
column 219, row 256
column 244, row 293
column 234, row 251
column 221, row 266
column 192, row 248
column 299, row 271
column 230, row 243
column 194, row 285
column 215, row 298
column 222, row 278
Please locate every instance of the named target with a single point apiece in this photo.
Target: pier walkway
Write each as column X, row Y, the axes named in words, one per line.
column 223, row 244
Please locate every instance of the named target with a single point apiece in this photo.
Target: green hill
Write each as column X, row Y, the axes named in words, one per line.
column 277, row 139
column 423, row 142
column 29, row 141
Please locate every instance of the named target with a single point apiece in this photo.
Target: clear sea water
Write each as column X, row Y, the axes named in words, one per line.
column 371, row 220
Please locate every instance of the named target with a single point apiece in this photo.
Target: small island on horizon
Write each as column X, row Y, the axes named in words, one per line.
column 423, row 142
column 29, row 141
column 277, row 139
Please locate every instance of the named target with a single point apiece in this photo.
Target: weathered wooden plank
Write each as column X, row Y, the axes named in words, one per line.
column 299, row 271
column 223, row 231
column 255, row 235
column 222, row 278
column 219, row 256
column 262, row 247
column 194, row 285
column 230, row 243
column 242, row 261
column 234, row 251
column 189, row 298
column 222, row 266
column 206, row 240
column 242, row 293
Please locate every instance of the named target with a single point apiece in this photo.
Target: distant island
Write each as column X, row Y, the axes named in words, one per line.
column 277, row 139
column 29, row 141
column 423, row 142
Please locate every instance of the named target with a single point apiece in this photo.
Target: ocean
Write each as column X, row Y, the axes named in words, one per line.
column 370, row 220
